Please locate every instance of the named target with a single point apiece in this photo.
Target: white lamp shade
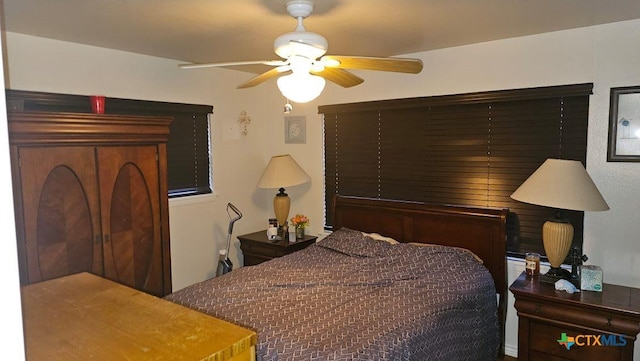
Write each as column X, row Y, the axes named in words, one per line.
column 282, row 171
column 301, row 87
column 562, row 184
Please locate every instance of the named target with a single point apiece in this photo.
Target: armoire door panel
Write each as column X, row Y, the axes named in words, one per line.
column 59, row 192
column 132, row 230
column 131, row 216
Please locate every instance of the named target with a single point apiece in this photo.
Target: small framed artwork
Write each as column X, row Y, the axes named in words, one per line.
column 624, row 125
column 295, row 129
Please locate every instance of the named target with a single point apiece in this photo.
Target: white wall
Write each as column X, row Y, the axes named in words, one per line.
column 11, row 313
column 198, row 226
column 605, row 55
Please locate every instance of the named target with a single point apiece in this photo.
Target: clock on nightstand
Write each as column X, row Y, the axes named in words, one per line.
column 583, row 326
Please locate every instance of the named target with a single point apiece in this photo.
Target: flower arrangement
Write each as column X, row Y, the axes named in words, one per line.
column 300, row 221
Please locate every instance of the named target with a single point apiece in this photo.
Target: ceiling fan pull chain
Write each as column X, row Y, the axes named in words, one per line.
column 288, row 107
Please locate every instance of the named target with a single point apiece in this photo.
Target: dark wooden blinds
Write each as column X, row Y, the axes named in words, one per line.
column 188, row 155
column 468, row 149
column 188, row 146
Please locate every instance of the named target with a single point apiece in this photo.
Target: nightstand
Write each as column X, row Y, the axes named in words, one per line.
column 602, row 325
column 256, row 248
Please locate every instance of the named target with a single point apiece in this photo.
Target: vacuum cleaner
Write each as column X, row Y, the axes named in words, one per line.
column 224, row 264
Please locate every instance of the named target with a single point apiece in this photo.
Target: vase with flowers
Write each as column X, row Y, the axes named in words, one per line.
column 300, row 222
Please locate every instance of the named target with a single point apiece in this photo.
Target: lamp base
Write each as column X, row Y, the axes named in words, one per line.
column 557, row 234
column 554, row 274
column 281, row 204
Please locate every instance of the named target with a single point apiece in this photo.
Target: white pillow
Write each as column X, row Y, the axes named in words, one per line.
column 378, row 237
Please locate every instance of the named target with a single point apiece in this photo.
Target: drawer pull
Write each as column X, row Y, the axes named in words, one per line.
column 609, row 318
column 538, row 307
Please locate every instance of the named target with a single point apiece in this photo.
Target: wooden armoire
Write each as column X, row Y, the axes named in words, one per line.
column 90, row 195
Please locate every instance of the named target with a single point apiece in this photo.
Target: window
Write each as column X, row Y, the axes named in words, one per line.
column 188, row 160
column 469, row 149
column 188, row 155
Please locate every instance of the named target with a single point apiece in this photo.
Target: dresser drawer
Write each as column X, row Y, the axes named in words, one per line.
column 262, row 250
column 543, row 344
column 601, row 320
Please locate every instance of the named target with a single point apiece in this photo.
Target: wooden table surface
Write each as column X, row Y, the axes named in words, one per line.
column 83, row 316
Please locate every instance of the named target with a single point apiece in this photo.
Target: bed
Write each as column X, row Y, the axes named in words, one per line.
column 394, row 281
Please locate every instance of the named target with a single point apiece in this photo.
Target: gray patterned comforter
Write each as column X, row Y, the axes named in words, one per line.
column 350, row 297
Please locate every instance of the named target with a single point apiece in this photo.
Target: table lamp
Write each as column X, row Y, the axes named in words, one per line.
column 560, row 184
column 282, row 171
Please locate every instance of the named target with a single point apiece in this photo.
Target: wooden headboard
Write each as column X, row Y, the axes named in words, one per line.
column 479, row 229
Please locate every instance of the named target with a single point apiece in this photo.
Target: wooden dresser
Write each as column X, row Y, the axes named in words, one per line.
column 91, row 195
column 602, row 325
column 86, row 317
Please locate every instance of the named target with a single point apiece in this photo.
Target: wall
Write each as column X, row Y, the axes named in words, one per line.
column 198, row 225
column 605, row 55
column 11, row 315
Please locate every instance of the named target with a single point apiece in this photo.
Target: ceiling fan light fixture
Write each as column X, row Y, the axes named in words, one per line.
column 303, row 54
column 313, row 46
column 300, row 8
column 317, row 67
column 301, row 87
column 300, row 64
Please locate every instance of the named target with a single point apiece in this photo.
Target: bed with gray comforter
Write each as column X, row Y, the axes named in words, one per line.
column 351, row 297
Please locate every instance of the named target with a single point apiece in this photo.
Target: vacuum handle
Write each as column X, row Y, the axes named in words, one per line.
column 233, row 220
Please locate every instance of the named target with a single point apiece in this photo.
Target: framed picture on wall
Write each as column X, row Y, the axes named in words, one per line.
column 624, row 125
column 295, row 129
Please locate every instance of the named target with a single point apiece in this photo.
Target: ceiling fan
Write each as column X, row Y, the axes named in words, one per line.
column 304, row 66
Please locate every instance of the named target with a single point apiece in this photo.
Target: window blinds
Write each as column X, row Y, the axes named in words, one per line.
column 469, row 149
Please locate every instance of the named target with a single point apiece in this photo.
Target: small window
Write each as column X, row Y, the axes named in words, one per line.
column 188, row 155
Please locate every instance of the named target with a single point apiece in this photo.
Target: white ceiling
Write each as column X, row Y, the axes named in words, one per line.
column 204, row 31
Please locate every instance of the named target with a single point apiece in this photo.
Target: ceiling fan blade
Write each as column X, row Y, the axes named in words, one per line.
column 400, row 65
column 339, row 76
column 264, row 77
column 233, row 63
